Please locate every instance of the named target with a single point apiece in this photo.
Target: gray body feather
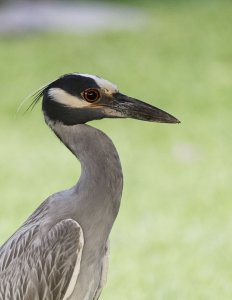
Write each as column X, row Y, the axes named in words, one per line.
column 61, row 250
column 60, row 253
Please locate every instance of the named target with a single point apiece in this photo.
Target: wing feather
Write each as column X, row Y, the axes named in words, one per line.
column 43, row 266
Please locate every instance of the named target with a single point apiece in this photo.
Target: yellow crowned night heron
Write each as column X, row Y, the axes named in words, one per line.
column 61, row 251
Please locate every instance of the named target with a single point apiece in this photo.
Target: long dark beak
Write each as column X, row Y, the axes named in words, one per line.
column 136, row 109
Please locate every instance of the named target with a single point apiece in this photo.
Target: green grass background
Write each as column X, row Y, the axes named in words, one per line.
column 173, row 236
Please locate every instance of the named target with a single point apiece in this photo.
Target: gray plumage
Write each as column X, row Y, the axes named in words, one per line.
column 61, row 251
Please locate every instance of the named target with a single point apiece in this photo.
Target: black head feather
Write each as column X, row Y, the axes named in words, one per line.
column 73, row 84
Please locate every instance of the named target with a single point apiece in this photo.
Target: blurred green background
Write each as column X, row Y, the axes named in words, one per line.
column 172, row 238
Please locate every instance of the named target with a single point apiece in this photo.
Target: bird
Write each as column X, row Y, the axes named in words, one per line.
column 61, row 251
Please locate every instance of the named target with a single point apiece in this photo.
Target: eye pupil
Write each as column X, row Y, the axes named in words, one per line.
column 91, row 95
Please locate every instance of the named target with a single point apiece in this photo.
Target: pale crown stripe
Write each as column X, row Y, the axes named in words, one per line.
column 102, row 83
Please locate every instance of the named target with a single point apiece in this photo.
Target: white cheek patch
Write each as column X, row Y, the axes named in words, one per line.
column 111, row 112
column 102, row 83
column 61, row 96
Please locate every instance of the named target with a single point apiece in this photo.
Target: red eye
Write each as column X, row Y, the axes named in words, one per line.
column 91, row 95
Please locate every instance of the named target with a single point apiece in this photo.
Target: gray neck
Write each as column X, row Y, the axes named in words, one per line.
column 100, row 183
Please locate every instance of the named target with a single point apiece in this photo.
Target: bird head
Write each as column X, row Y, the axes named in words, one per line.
column 78, row 98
